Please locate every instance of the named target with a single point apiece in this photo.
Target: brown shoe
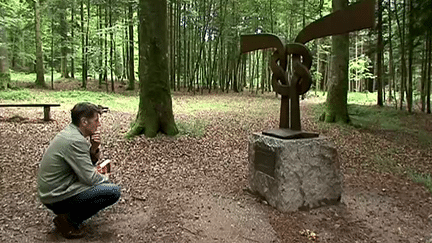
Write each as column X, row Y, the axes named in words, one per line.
column 66, row 229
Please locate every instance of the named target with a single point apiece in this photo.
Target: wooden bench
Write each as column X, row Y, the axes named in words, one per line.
column 45, row 106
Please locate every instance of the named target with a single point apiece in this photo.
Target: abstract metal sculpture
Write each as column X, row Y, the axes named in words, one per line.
column 355, row 17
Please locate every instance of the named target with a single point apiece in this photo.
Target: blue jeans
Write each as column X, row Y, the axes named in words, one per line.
column 87, row 203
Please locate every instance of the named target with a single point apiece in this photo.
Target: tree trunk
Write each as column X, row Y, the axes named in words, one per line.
column 101, row 49
column 125, row 46
column 185, row 49
column 72, row 38
column 64, row 40
column 106, row 49
column 379, row 71
column 410, row 56
column 87, row 34
column 52, row 51
column 391, row 65
column 131, row 50
column 401, row 29
column 178, row 42
column 40, row 78
column 4, row 61
column 171, row 41
column 337, row 109
column 370, row 81
column 174, row 41
column 423, row 77
column 111, row 46
column 83, row 52
column 429, row 64
column 155, row 107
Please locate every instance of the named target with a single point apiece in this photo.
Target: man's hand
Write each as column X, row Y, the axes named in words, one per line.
column 95, row 141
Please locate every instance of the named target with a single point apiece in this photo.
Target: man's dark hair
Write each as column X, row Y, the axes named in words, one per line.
column 84, row 109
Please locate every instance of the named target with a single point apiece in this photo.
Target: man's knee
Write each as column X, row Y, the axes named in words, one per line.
column 116, row 192
column 113, row 191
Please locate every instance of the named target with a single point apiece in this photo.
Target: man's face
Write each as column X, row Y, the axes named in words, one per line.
column 90, row 125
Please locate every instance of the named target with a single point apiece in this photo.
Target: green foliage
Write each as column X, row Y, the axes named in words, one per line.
column 317, row 76
column 376, row 117
column 69, row 98
column 16, row 95
column 359, row 68
column 425, row 140
column 364, row 114
column 30, row 77
column 359, row 98
column 18, row 19
column 191, row 128
column 425, row 179
column 385, row 164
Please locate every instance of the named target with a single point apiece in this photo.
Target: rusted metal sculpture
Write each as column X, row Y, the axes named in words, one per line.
column 355, row 17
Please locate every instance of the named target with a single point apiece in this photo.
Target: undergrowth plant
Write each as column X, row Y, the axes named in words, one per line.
column 425, row 179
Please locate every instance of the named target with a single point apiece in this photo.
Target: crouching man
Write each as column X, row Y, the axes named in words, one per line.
column 68, row 183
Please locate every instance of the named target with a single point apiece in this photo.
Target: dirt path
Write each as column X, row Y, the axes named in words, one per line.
column 195, row 190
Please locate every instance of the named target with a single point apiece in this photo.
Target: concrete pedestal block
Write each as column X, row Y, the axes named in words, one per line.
column 295, row 174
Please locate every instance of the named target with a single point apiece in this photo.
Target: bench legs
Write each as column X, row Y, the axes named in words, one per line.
column 47, row 113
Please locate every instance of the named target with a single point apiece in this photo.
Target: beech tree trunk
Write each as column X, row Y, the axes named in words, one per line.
column 4, row 61
column 131, row 50
column 428, row 79
column 83, row 51
column 111, row 46
column 337, row 108
column 64, row 40
column 423, row 77
column 401, row 28
column 379, row 71
column 410, row 57
column 40, row 78
column 391, row 62
column 155, row 107
column 72, row 45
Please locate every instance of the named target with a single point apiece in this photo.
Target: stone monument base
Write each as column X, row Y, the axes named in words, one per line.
column 294, row 174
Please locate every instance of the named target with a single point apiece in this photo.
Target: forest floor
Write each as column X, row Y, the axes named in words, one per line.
column 195, row 188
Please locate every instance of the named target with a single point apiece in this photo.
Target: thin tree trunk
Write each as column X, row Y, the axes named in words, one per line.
column 391, row 65
column 131, row 50
column 410, row 56
column 185, row 50
column 370, row 82
column 4, row 61
column 178, row 43
column 258, row 71
column 380, row 55
column 423, row 77
column 171, row 41
column 40, row 79
column 87, row 39
column 83, row 51
column 52, row 51
column 263, row 71
column 64, row 40
column 173, row 46
column 401, row 29
column 101, row 47
column 429, row 64
column 72, row 49
column 106, row 49
column 111, row 47
column 125, row 46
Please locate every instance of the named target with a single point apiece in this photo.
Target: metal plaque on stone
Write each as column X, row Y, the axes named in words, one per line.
column 265, row 160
